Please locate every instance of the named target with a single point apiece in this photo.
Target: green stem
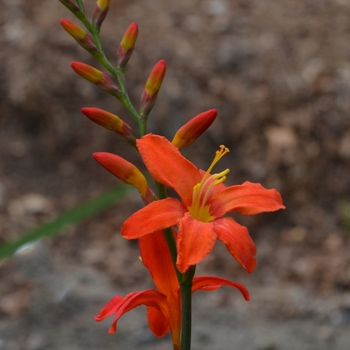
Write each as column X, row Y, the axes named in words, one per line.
column 186, row 295
column 81, row 6
column 185, row 281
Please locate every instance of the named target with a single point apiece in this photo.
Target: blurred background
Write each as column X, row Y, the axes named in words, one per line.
column 278, row 72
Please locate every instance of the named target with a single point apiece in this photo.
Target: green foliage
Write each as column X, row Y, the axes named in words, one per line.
column 74, row 216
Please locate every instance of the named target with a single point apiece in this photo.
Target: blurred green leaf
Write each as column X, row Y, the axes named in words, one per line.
column 74, row 216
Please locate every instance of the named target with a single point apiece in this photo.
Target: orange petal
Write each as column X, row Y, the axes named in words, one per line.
column 247, row 199
column 156, row 257
column 119, row 306
column 156, row 216
column 195, row 240
column 167, row 166
column 110, row 308
column 207, row 282
column 237, row 240
column 157, row 322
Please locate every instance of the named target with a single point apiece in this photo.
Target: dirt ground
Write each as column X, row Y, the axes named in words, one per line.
column 278, row 72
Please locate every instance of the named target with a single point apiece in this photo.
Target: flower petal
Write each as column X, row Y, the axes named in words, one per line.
column 156, row 257
column 209, row 282
column 110, row 308
column 156, row 216
column 195, row 240
column 247, row 199
column 237, row 240
column 157, row 322
column 167, row 166
column 119, row 306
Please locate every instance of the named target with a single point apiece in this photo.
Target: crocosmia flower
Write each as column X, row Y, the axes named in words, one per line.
column 163, row 304
column 204, row 199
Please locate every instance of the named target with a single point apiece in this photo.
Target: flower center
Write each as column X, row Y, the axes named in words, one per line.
column 200, row 207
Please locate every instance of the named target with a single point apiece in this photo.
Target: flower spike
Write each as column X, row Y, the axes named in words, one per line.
column 127, row 45
column 96, row 77
column 153, row 84
column 82, row 38
column 110, row 122
column 190, row 132
column 100, row 12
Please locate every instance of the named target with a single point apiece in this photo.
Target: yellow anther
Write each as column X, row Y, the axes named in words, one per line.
column 201, row 191
column 218, row 155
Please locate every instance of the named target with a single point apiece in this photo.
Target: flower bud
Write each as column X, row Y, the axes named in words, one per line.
column 100, row 12
column 190, row 132
column 96, row 77
column 127, row 44
column 79, row 34
column 153, row 84
column 125, row 172
column 110, row 122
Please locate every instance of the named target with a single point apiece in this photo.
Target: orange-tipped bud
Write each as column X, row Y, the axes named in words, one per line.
column 100, row 12
column 111, row 122
column 130, row 36
column 153, row 84
column 190, row 132
column 89, row 73
column 123, row 170
column 155, row 79
column 96, row 77
column 127, row 44
column 73, row 29
column 79, row 34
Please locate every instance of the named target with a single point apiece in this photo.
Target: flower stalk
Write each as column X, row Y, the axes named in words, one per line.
column 174, row 234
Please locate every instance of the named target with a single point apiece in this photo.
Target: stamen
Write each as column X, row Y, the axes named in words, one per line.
column 218, row 155
column 201, row 192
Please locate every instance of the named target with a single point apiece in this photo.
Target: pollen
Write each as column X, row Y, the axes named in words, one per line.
column 203, row 191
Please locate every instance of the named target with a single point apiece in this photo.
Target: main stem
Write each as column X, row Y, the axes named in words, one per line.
column 186, row 295
column 185, row 281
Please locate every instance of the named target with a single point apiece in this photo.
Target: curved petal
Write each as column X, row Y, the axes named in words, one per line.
column 157, row 322
column 156, row 257
column 110, row 308
column 209, row 282
column 119, row 306
column 247, row 199
column 195, row 240
column 167, row 166
column 156, row 216
column 237, row 240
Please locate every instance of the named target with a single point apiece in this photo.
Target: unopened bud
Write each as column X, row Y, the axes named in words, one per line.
column 153, row 84
column 110, row 122
column 100, row 12
column 79, row 34
column 127, row 45
column 124, row 171
column 96, row 77
column 190, row 132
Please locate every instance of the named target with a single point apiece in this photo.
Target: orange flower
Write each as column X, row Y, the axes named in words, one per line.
column 204, row 200
column 164, row 304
